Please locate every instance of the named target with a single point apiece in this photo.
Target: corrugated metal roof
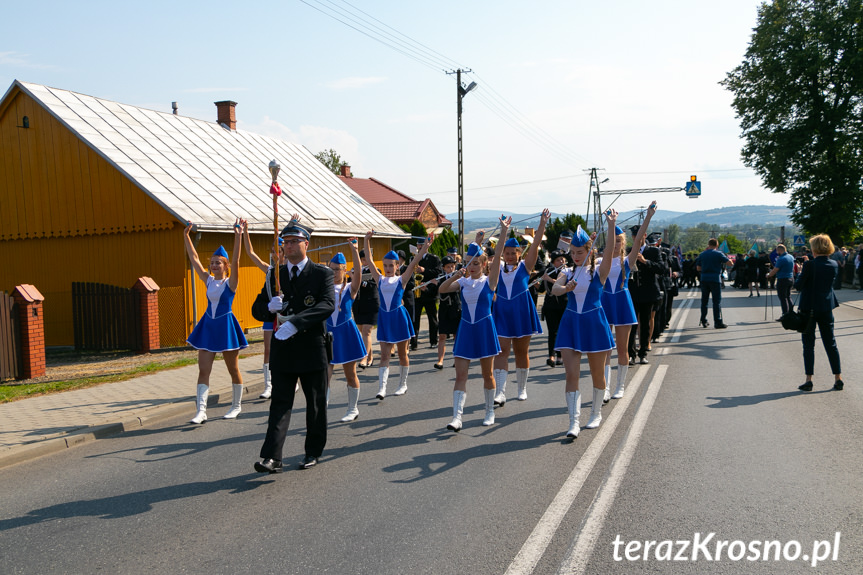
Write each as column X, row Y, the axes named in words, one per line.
column 203, row 173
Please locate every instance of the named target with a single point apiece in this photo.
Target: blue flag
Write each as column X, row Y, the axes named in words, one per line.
column 723, row 247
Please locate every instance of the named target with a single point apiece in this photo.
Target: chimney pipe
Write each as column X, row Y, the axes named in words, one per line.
column 226, row 114
column 345, row 171
column 174, row 107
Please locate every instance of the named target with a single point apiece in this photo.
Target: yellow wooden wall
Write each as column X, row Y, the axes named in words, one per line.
column 53, row 185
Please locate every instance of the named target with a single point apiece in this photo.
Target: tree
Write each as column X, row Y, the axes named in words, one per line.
column 672, row 234
column 417, row 229
column 735, row 246
column 799, row 96
column 446, row 239
column 554, row 228
column 331, row 160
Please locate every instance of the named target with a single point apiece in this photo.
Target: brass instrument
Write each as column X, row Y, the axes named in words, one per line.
column 418, row 279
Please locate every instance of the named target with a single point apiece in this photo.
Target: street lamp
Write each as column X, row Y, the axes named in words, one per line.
column 462, row 92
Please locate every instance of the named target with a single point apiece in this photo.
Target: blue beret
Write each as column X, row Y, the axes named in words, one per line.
column 391, row 255
column 617, row 230
column 511, row 243
column 473, row 250
column 339, row 258
column 580, row 238
column 221, row 252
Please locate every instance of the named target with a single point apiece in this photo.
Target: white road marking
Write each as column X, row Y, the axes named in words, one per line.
column 681, row 322
column 532, row 550
column 579, row 554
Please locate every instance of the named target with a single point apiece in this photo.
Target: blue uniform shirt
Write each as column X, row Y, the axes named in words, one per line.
column 785, row 266
column 711, row 262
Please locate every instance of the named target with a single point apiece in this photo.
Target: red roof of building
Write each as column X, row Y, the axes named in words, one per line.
column 393, row 204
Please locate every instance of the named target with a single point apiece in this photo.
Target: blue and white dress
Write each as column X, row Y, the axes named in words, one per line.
column 477, row 336
column 514, row 311
column 394, row 322
column 347, row 342
column 218, row 330
column 584, row 327
column 616, row 299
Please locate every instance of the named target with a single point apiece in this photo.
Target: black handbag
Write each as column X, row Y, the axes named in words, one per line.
column 798, row 321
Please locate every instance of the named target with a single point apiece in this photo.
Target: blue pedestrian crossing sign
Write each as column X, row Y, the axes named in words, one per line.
column 693, row 187
column 800, row 241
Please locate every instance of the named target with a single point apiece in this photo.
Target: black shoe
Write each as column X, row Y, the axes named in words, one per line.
column 643, row 361
column 438, row 366
column 558, row 361
column 549, row 362
column 838, row 385
column 720, row 325
column 632, row 360
column 703, row 323
column 268, row 466
column 806, row 386
column 362, row 365
column 308, row 462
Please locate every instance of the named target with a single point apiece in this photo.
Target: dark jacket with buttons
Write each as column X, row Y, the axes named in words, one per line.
column 816, row 285
column 308, row 302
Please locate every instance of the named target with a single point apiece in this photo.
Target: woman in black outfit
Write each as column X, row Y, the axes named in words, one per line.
column 366, row 310
column 817, row 298
column 553, row 306
column 752, row 266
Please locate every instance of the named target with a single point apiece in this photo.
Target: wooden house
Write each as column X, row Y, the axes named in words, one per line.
column 97, row 191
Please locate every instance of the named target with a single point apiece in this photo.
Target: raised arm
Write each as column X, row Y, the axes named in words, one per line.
column 234, row 279
column 193, row 255
column 357, row 271
column 367, row 246
column 642, row 231
column 533, row 250
column 451, row 283
column 247, row 243
column 494, row 266
column 409, row 271
column 608, row 252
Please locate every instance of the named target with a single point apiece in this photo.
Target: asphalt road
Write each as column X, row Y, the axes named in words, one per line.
column 712, row 437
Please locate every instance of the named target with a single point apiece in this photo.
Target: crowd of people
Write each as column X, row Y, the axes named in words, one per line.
column 318, row 317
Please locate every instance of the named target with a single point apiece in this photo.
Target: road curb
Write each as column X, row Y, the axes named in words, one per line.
column 149, row 417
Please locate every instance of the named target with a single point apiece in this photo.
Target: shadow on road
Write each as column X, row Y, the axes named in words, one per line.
column 742, row 400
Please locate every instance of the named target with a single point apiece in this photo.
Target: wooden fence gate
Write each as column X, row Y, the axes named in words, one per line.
column 10, row 338
column 105, row 317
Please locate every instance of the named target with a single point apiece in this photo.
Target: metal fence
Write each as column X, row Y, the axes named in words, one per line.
column 172, row 316
column 105, row 317
column 10, row 339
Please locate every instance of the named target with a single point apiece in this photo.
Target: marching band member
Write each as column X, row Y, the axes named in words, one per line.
column 515, row 316
column 449, row 313
column 617, row 303
column 395, row 327
column 365, row 310
column 477, row 336
column 553, row 306
column 348, row 345
column 584, row 327
column 218, row 331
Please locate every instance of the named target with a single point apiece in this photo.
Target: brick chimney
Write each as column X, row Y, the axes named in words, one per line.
column 345, row 171
column 226, row 114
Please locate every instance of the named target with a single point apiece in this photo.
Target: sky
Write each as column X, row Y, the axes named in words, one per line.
column 628, row 87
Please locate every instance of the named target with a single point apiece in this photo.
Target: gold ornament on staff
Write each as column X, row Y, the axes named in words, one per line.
column 276, row 191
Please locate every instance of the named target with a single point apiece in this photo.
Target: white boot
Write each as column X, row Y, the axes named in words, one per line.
column 403, row 380
column 236, row 401
column 489, row 407
column 383, row 374
column 353, row 412
column 607, row 396
column 268, row 384
column 521, row 379
column 621, row 380
column 500, row 386
column 203, row 394
column 458, row 398
column 595, row 409
column 573, row 405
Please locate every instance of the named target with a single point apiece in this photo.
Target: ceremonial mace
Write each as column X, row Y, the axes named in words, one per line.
column 276, row 191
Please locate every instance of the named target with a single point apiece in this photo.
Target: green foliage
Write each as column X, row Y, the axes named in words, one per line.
column 446, row 239
column 735, row 246
column 416, row 228
column 331, row 160
column 555, row 227
column 799, row 96
column 672, row 234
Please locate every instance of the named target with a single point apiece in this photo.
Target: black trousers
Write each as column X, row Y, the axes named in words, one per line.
column 713, row 289
column 552, row 322
column 783, row 290
column 642, row 312
column 659, row 323
column 824, row 321
column 430, row 306
column 314, row 386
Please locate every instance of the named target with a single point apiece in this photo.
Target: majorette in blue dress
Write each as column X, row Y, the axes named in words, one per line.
column 347, row 342
column 394, row 323
column 514, row 311
column 616, row 299
column 584, row 327
column 218, row 330
column 477, row 336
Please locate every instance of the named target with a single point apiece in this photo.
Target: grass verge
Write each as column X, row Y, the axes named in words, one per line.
column 14, row 391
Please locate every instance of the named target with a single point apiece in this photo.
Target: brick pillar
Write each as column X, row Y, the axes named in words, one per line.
column 29, row 302
column 149, row 311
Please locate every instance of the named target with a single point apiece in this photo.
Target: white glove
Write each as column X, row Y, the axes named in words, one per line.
column 275, row 305
column 286, row 331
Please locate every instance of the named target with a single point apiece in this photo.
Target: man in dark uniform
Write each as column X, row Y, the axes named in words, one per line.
column 299, row 348
column 430, row 268
column 644, row 288
column 453, row 253
column 655, row 253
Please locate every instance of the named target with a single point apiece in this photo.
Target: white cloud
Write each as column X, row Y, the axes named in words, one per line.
column 354, row 83
column 314, row 138
column 19, row 60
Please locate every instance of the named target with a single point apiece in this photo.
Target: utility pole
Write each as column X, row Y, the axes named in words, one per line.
column 461, row 91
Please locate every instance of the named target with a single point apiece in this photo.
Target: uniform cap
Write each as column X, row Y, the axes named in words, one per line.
column 339, row 258
column 391, row 255
column 221, row 252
